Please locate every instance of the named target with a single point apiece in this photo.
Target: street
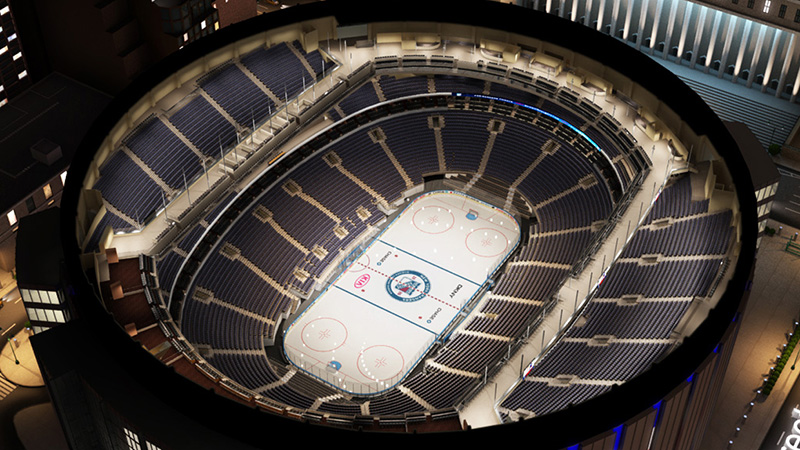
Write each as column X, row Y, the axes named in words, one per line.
column 12, row 316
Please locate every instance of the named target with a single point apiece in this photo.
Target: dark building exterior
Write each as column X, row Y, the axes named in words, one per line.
column 762, row 169
column 107, row 44
column 40, row 270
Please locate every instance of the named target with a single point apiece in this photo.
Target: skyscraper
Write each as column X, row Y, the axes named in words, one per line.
column 13, row 70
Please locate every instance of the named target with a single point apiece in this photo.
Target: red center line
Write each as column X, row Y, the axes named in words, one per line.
column 421, row 292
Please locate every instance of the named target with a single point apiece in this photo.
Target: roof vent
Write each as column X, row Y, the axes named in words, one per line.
column 46, row 151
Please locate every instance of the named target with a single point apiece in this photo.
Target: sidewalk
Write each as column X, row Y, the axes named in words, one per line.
column 39, row 429
column 768, row 318
column 7, row 283
column 788, row 158
column 26, row 373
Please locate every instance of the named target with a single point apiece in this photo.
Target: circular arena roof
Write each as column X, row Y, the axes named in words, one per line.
column 635, row 77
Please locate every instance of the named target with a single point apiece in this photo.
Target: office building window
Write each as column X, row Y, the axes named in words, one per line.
column 132, row 439
column 30, row 203
column 46, row 315
column 40, row 296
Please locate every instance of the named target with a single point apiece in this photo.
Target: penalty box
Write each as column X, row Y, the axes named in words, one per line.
column 370, row 327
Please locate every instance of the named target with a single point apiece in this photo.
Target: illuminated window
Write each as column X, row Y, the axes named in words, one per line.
column 216, row 26
column 2, row 88
column 150, row 446
column 18, row 56
column 203, row 25
column 3, row 101
column 12, row 218
column 12, row 37
column 132, row 439
column 23, row 74
column 766, row 6
column 48, row 191
column 3, row 50
column 63, row 177
column 4, row 10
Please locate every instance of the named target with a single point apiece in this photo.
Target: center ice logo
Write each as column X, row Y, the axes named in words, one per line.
column 408, row 286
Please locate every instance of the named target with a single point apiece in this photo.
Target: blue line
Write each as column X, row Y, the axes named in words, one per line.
column 384, row 309
column 432, row 264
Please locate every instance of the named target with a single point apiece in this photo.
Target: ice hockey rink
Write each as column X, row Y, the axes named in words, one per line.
column 369, row 328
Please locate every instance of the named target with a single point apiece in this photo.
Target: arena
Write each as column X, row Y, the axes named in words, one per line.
column 558, row 236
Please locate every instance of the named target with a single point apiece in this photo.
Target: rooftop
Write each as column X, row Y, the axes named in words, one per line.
column 58, row 109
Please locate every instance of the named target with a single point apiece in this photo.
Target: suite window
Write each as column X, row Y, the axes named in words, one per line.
column 767, row 4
